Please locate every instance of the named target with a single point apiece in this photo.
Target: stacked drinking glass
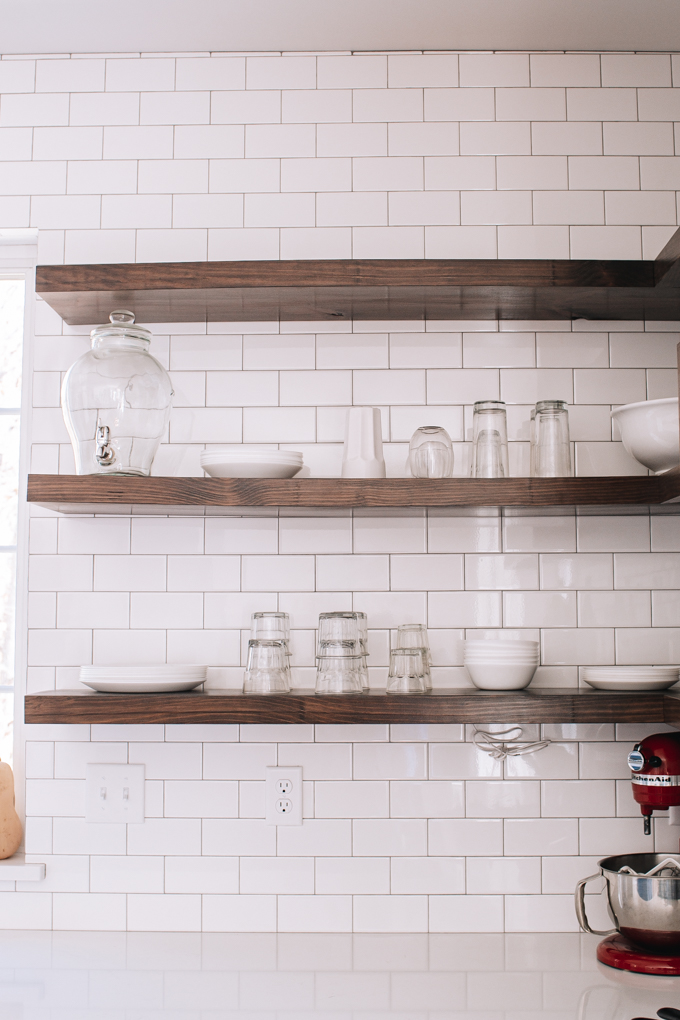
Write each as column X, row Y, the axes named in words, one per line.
column 341, row 653
column 268, row 665
column 410, row 661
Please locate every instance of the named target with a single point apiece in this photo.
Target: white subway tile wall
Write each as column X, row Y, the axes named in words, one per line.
column 407, row 828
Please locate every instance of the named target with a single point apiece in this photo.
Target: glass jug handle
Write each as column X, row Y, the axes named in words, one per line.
column 580, row 899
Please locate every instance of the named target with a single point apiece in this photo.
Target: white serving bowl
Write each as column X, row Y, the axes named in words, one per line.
column 501, row 677
column 245, row 463
column 502, row 656
column 502, row 663
column 649, row 432
column 501, row 643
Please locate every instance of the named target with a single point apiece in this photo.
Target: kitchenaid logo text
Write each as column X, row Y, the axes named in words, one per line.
column 656, row 780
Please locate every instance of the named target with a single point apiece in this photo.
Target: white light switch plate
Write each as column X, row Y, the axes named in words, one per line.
column 114, row 793
column 283, row 795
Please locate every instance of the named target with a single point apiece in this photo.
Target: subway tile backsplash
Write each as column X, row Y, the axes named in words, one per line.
column 407, row 828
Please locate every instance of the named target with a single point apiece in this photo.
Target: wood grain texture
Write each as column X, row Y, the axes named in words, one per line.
column 667, row 263
column 56, row 490
column 361, row 289
column 438, row 706
column 672, row 708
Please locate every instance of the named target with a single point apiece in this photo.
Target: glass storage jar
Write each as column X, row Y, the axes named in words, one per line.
column 116, row 401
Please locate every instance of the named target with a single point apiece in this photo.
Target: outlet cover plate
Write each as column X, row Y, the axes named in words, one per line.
column 114, row 793
column 283, row 785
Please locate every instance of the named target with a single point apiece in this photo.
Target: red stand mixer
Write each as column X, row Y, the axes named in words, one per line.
column 643, row 890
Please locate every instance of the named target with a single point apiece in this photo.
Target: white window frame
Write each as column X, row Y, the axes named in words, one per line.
column 18, row 259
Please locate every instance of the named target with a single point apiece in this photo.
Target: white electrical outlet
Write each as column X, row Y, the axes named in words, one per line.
column 283, row 795
column 114, row 793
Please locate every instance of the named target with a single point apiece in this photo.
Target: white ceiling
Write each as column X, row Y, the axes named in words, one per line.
column 110, row 26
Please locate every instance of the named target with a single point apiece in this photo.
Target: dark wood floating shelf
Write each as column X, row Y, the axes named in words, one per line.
column 110, row 494
column 438, row 706
column 366, row 289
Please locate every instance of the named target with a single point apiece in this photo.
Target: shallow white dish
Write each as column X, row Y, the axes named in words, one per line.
column 649, row 672
column 501, row 677
column 142, row 686
column 649, row 432
column 245, row 463
column 634, row 684
column 139, row 675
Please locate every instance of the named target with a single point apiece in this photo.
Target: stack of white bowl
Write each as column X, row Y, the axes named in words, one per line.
column 500, row 663
column 630, row 678
column 250, row 462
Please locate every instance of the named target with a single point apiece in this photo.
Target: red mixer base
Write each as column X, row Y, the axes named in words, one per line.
column 617, row 951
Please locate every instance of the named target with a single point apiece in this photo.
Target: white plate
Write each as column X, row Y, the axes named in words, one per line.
column 612, row 684
column 146, row 687
column 613, row 674
column 208, row 455
column 145, row 672
column 252, row 469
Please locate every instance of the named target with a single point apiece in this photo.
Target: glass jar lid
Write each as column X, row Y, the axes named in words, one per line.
column 121, row 325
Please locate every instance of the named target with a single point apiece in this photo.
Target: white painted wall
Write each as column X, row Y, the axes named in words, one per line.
column 408, row 828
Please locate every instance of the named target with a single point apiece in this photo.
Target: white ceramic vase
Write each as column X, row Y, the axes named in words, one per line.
column 363, row 453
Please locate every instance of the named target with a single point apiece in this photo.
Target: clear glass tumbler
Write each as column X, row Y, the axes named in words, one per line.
column 408, row 669
column 267, row 670
column 270, row 626
column 552, row 456
column 431, row 453
column 489, row 440
column 339, row 674
column 343, row 626
column 414, row 635
column 532, row 442
column 352, row 649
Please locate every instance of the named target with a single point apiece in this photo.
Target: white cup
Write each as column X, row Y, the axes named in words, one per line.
column 363, row 453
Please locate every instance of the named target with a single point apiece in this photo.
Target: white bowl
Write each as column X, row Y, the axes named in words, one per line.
column 649, row 432
column 501, row 657
column 501, row 678
column 501, row 643
column 249, row 453
column 258, row 464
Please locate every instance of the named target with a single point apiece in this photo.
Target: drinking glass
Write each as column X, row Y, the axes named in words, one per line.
column 339, row 674
column 532, row 442
column 267, row 670
column 352, row 648
column 414, row 635
column 270, row 626
column 408, row 668
column 345, row 626
column 431, row 453
column 552, row 457
column 489, row 440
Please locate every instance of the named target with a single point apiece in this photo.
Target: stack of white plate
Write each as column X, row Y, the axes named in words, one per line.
column 630, row 678
column 501, row 664
column 142, row 679
column 250, row 462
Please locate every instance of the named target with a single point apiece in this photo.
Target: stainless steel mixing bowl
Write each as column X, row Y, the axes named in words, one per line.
column 646, row 909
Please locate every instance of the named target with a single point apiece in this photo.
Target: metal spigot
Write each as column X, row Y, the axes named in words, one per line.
column 104, row 453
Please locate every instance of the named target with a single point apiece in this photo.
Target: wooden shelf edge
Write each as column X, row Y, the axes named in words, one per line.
column 318, row 290
column 542, row 705
column 90, row 491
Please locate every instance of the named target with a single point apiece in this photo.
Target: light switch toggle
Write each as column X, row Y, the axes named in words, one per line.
column 114, row 793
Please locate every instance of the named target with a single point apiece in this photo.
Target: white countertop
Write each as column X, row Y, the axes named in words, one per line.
column 177, row 976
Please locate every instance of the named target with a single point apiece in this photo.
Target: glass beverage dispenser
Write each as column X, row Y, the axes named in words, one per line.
column 116, row 401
